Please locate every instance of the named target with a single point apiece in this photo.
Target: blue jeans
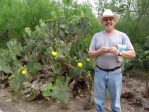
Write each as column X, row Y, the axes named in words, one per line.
column 111, row 81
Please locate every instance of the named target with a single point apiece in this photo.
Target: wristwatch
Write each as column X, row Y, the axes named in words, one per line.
column 120, row 53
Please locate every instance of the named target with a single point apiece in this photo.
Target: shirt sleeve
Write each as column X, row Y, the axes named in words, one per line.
column 128, row 42
column 93, row 43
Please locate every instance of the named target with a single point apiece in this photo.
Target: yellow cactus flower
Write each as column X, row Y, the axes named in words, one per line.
column 80, row 64
column 24, row 72
column 87, row 59
column 54, row 53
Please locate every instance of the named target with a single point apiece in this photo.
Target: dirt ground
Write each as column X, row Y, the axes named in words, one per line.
column 8, row 103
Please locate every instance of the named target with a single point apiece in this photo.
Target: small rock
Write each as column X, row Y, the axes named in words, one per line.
column 127, row 95
column 1, row 110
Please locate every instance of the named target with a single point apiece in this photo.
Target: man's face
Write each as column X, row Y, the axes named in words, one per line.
column 108, row 23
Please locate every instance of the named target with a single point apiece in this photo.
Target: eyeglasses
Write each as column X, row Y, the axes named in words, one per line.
column 108, row 19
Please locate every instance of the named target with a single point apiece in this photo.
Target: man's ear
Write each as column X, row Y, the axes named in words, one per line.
column 114, row 21
column 102, row 22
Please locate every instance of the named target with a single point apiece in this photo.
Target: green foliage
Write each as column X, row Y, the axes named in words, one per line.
column 9, row 62
column 16, row 80
column 15, row 15
column 142, row 59
column 145, row 56
column 59, row 90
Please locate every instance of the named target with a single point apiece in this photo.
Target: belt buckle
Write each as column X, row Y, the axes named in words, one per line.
column 108, row 70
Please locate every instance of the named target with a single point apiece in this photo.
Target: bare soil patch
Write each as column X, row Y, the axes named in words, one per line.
column 9, row 103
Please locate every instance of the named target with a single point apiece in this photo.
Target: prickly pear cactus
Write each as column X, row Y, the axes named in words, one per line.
column 53, row 50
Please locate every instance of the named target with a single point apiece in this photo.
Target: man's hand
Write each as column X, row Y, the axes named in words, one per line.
column 98, row 52
column 114, row 50
column 104, row 50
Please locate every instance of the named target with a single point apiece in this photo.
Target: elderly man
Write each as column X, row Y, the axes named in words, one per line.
column 109, row 47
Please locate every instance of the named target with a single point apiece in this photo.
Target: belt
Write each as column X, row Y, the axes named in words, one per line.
column 108, row 70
